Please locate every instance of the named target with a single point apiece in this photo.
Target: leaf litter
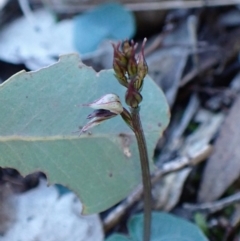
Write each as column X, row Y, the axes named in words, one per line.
column 41, row 214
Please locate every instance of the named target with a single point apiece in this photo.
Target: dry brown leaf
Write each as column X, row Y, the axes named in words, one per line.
column 163, row 61
column 223, row 167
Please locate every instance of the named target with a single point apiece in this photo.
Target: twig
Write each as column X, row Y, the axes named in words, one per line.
column 3, row 3
column 190, row 111
column 159, row 39
column 27, row 12
column 146, row 6
column 212, row 207
column 192, row 29
column 207, row 64
column 115, row 216
column 180, row 4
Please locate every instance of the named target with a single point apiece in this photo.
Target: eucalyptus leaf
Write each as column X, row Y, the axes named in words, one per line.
column 165, row 227
column 92, row 27
column 39, row 113
column 118, row 237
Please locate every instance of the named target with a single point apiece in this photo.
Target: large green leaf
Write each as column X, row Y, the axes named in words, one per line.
column 40, row 111
column 118, row 237
column 165, row 227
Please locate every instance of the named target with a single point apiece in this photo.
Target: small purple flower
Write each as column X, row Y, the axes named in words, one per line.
column 108, row 106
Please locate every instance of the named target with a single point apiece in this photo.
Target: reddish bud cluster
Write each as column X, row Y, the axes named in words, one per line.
column 130, row 71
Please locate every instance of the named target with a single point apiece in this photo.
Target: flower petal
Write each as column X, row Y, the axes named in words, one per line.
column 96, row 118
column 109, row 102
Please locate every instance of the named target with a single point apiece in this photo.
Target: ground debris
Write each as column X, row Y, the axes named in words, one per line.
column 223, row 168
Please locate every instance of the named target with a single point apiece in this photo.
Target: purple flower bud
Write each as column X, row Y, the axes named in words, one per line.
column 118, row 55
column 129, row 48
column 127, row 118
column 120, row 73
column 142, row 68
column 132, row 97
column 120, row 65
column 132, row 66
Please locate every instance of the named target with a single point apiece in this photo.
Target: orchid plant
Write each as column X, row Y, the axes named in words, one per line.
column 130, row 72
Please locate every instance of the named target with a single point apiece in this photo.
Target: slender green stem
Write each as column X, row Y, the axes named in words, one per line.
column 147, row 187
